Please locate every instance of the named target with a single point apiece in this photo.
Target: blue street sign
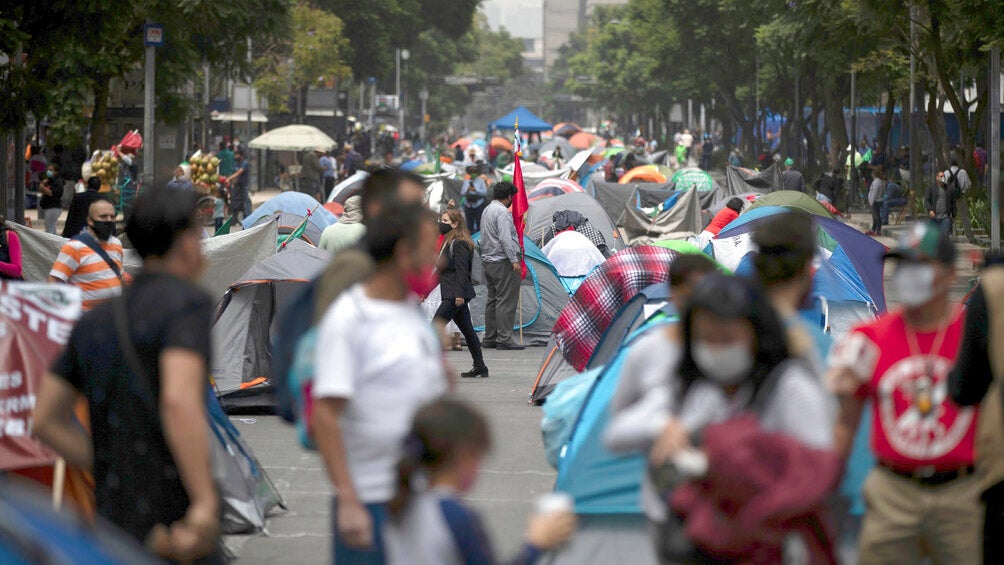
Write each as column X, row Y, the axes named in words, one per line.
column 153, row 35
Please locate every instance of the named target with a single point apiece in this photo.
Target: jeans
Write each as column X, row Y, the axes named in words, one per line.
column 473, row 217
column 461, row 315
column 887, row 206
column 345, row 554
column 993, row 524
column 877, row 217
column 503, row 299
column 945, row 224
column 51, row 216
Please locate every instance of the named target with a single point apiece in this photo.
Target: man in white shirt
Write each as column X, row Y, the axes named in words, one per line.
column 377, row 361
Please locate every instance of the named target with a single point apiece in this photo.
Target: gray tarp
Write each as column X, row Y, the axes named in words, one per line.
column 679, row 222
column 242, row 331
column 739, row 181
column 227, row 256
column 613, row 196
column 541, row 211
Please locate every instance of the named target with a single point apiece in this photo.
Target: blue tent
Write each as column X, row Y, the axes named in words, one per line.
column 290, row 208
column 851, row 263
column 32, row 532
column 528, row 122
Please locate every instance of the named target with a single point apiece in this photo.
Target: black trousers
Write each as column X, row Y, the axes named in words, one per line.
column 877, row 217
column 993, row 525
column 461, row 315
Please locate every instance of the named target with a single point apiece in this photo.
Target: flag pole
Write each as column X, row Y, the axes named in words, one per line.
column 520, row 306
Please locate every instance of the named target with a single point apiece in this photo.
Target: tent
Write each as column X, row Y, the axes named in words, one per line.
column 677, row 215
column 693, row 177
column 244, row 323
column 594, row 306
column 566, row 129
column 573, row 255
column 553, row 187
column 643, row 173
column 541, row 212
column 792, row 199
column 246, row 491
column 606, row 486
column 227, row 256
column 290, row 209
column 528, row 122
column 850, row 264
column 348, row 187
column 32, row 532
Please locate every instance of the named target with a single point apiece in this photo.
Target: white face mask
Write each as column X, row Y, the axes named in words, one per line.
column 726, row 365
column 913, row 283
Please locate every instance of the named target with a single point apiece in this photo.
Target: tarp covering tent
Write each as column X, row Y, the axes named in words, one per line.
column 32, row 532
column 227, row 256
column 747, row 197
column 850, row 264
column 541, row 213
column 792, row 199
column 588, row 315
column 290, row 209
column 528, row 121
column 533, row 174
column 244, row 323
column 652, row 300
column 738, row 180
column 544, row 294
column 348, row 187
column 680, row 220
column 613, row 196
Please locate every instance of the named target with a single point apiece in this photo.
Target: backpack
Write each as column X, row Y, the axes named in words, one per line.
column 298, row 387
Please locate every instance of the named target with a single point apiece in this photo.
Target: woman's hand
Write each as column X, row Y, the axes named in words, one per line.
column 458, row 301
column 547, row 531
column 673, row 439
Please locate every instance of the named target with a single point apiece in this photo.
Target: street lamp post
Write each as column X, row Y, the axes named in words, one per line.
column 402, row 55
column 424, row 97
column 153, row 37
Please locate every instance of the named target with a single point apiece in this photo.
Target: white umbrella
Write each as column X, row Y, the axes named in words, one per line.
column 293, row 138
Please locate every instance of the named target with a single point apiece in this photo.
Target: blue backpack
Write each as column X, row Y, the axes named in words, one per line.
column 298, row 386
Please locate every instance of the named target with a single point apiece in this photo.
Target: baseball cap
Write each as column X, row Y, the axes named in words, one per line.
column 924, row 241
column 789, row 162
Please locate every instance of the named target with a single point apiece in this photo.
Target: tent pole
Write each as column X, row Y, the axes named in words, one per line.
column 520, row 307
column 58, row 481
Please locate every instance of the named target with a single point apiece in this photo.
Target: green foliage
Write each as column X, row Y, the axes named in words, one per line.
column 314, row 52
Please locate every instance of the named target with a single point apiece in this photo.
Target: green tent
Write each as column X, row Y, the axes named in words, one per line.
column 681, row 246
column 611, row 151
column 793, row 199
column 690, row 177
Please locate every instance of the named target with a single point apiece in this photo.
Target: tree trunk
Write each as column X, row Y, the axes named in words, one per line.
column 835, row 123
column 886, row 127
column 99, row 116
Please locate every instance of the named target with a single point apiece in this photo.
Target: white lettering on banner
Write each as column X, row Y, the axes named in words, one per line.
column 11, row 380
column 14, row 404
column 15, row 310
column 15, row 427
column 9, row 307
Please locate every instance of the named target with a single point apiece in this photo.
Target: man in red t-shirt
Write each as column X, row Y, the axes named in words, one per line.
column 922, row 498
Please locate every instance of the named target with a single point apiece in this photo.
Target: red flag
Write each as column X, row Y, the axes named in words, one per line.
column 519, row 202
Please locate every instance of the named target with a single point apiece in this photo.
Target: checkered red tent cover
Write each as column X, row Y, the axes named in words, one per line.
column 594, row 306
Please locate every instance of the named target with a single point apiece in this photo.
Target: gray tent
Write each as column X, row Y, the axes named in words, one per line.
column 680, row 221
column 440, row 190
column 245, row 317
column 539, row 216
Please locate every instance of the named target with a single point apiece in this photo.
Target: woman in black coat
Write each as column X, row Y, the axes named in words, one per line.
column 456, row 286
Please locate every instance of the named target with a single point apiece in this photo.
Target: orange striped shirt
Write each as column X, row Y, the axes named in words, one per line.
column 82, row 267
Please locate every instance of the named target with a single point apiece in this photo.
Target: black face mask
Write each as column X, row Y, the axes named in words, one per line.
column 445, row 228
column 103, row 230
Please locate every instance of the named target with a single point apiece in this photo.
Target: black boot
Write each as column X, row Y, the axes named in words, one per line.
column 476, row 372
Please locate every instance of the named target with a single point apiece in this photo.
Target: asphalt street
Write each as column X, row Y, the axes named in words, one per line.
column 512, row 478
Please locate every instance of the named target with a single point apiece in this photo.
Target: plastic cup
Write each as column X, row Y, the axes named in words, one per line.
column 555, row 502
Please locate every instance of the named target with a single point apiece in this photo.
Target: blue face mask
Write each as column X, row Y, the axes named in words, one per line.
column 50, row 174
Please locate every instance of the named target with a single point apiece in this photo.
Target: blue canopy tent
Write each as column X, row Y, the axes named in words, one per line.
column 290, row 209
column 528, row 121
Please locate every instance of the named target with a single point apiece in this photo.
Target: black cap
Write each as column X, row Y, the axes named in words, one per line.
column 925, row 241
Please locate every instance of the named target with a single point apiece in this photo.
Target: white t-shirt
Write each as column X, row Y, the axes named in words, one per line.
column 384, row 357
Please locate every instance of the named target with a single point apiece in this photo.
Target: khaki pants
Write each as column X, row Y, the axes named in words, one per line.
column 905, row 521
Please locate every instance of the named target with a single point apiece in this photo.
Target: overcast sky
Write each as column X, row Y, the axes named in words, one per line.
column 523, row 18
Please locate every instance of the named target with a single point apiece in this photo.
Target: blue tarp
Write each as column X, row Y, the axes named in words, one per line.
column 528, row 121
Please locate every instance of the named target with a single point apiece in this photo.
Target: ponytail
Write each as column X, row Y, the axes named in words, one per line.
column 439, row 432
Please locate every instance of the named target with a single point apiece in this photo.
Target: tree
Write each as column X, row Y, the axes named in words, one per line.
column 314, row 53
